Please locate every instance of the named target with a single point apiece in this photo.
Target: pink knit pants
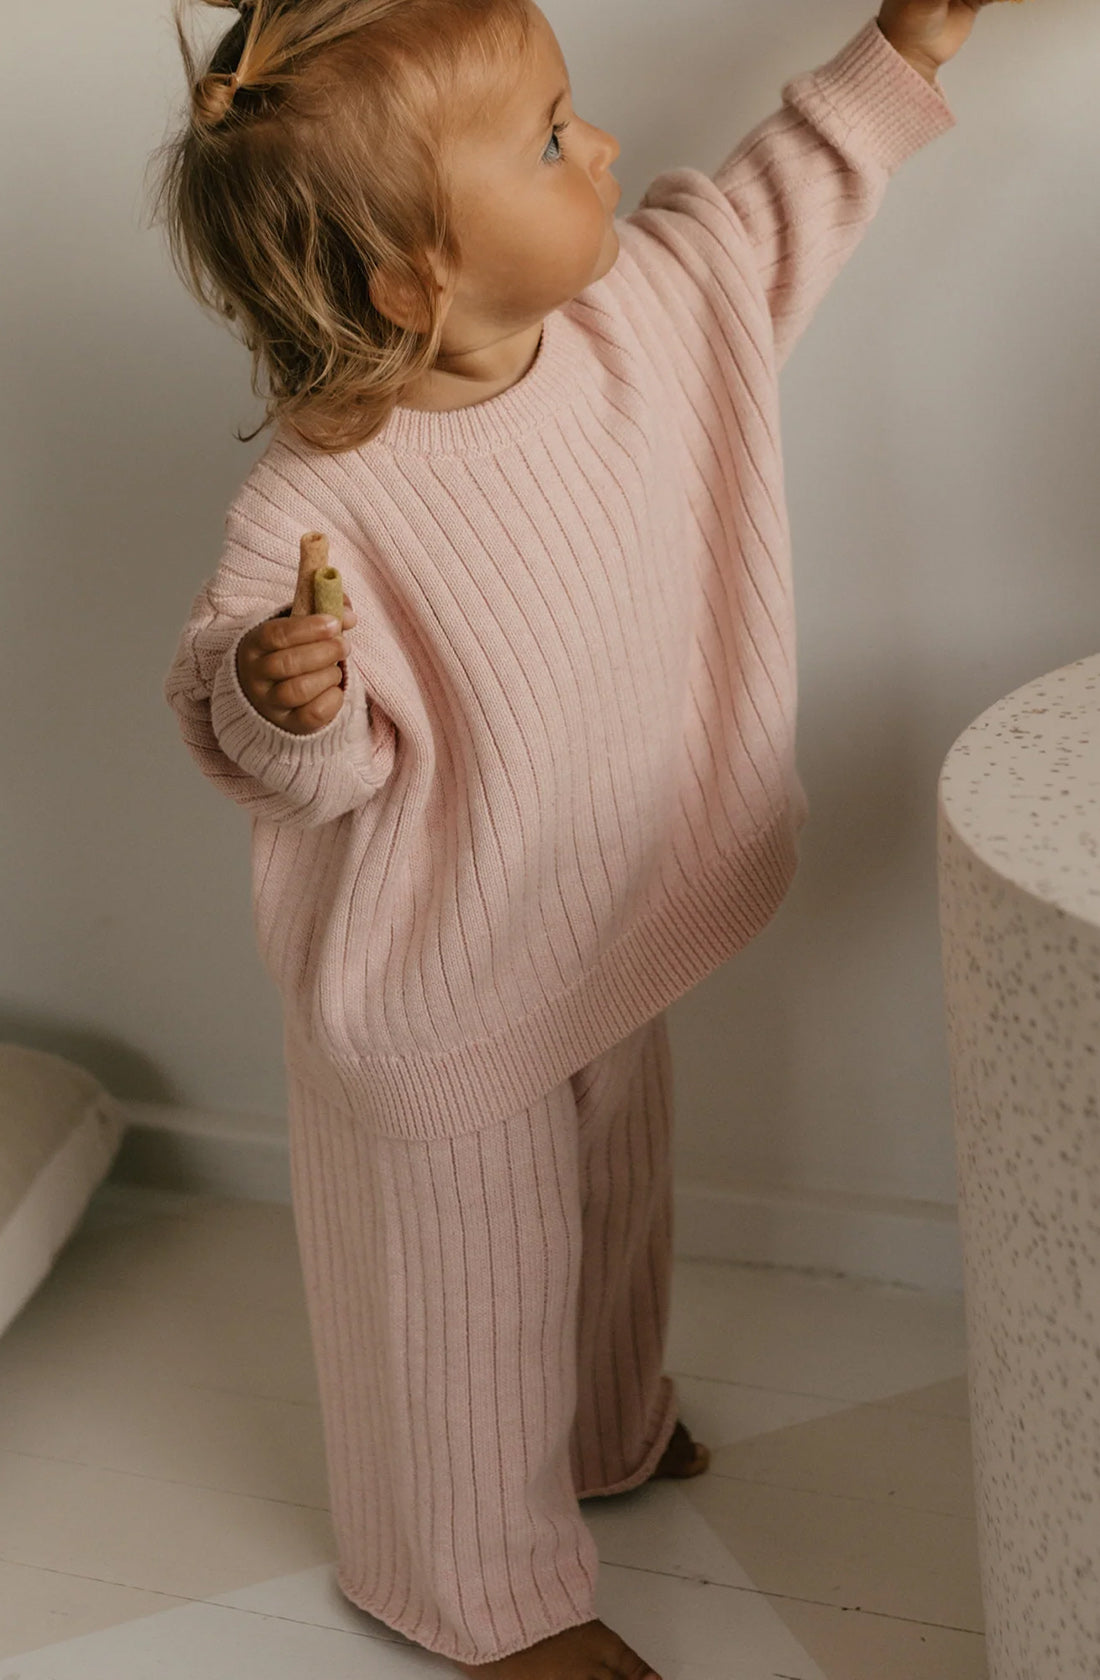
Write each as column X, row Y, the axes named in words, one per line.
column 488, row 1316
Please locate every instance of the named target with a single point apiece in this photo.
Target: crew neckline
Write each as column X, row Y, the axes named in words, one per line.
column 548, row 384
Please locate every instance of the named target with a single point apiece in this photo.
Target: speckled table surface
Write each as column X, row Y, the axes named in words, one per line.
column 1019, row 864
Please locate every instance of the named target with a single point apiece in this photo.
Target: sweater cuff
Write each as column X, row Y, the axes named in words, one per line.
column 253, row 742
column 872, row 103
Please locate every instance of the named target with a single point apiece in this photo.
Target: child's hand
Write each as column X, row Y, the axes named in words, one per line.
column 928, row 32
column 290, row 670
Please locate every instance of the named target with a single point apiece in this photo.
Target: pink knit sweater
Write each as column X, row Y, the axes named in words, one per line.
column 562, row 787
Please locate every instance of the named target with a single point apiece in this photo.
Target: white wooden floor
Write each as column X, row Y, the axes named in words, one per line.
column 163, row 1504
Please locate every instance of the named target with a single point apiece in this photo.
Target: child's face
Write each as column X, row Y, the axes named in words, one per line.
column 534, row 211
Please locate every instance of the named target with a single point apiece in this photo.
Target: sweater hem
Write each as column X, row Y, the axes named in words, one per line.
column 477, row 1084
column 872, row 103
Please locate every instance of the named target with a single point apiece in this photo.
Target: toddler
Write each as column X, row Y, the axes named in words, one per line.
column 541, row 781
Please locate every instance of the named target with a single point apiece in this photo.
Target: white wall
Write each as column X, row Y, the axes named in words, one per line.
column 942, row 421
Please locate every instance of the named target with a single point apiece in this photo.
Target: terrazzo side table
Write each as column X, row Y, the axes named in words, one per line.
column 1019, row 878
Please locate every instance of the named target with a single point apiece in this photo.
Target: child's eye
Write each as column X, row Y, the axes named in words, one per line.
column 559, row 128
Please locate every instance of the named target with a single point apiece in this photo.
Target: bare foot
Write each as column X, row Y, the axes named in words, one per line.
column 590, row 1652
column 683, row 1457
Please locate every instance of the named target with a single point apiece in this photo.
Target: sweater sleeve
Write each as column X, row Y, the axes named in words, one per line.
column 789, row 206
column 806, row 184
column 299, row 781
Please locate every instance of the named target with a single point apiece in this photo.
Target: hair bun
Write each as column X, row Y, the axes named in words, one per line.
column 214, row 95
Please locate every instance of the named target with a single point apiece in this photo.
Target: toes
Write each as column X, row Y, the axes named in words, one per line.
column 633, row 1667
column 684, row 1457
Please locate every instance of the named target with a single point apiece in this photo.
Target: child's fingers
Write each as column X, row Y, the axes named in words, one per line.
column 305, row 686
column 296, row 658
column 277, row 634
column 292, row 632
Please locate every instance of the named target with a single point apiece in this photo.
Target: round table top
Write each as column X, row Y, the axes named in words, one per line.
column 1021, row 788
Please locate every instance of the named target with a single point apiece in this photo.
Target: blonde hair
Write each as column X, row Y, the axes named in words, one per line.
column 313, row 158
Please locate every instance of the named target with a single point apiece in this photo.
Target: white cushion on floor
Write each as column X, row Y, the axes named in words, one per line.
column 59, row 1133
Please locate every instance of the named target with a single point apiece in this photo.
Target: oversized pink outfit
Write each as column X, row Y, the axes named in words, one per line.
column 561, row 791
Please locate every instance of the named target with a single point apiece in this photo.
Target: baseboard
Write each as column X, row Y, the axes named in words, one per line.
column 882, row 1239
column 211, row 1152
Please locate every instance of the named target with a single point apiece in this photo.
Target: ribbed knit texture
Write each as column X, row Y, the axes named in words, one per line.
column 562, row 787
column 489, row 1316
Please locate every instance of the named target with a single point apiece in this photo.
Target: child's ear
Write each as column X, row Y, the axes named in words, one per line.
column 399, row 301
column 393, row 300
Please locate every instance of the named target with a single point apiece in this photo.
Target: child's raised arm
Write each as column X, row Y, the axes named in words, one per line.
column 807, row 182
column 927, row 33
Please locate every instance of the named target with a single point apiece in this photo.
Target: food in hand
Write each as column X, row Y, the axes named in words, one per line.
column 320, row 586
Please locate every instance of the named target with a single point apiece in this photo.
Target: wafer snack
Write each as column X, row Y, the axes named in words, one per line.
column 320, row 586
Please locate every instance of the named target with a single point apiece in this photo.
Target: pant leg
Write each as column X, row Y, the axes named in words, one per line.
column 441, row 1279
column 626, row 1407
